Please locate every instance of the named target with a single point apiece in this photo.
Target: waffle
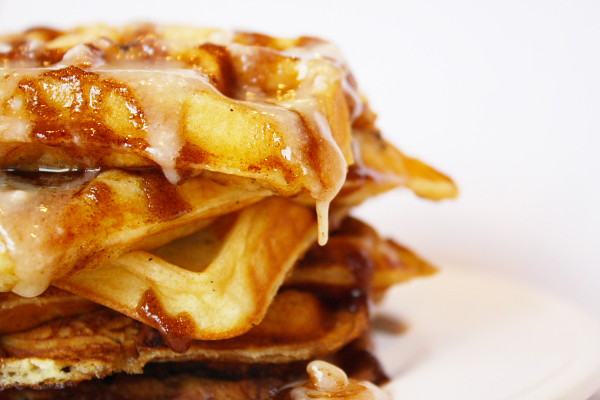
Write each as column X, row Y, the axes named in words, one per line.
column 312, row 315
column 18, row 313
column 188, row 100
column 179, row 381
column 271, row 111
column 103, row 342
column 173, row 181
column 216, row 300
column 129, row 210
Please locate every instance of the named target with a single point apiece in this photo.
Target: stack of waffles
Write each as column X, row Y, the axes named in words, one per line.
column 174, row 213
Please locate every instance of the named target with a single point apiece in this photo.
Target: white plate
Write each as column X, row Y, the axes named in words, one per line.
column 479, row 337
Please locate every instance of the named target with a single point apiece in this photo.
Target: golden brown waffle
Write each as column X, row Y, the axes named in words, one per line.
column 314, row 315
column 89, row 221
column 298, row 327
column 92, row 218
column 194, row 380
column 187, row 100
column 356, row 256
column 19, row 313
column 217, row 299
column 380, row 167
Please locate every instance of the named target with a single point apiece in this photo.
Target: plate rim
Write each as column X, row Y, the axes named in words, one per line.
column 579, row 381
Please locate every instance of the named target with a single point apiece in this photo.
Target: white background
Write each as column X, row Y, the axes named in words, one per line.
column 504, row 96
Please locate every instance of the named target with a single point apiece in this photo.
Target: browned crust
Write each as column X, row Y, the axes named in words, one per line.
column 298, row 326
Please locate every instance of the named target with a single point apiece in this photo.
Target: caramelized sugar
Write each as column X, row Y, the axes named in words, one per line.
column 277, row 110
column 176, row 331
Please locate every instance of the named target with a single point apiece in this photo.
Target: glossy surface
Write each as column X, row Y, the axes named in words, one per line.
column 90, row 220
column 185, row 99
column 326, row 381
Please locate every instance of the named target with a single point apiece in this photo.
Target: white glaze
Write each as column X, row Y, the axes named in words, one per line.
column 297, row 115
